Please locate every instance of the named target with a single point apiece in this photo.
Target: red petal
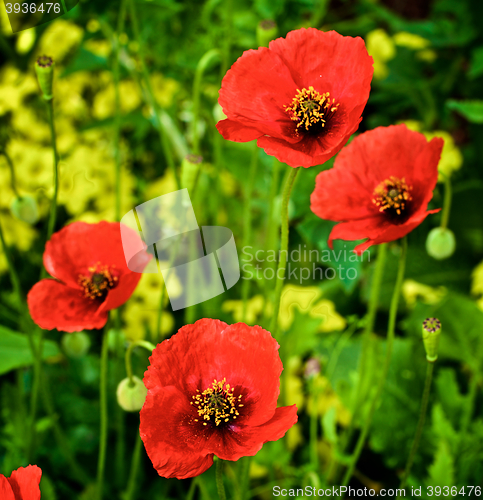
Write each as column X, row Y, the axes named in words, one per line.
column 55, row 305
column 327, row 61
column 78, row 246
column 25, row 483
column 248, row 441
column 253, row 93
column 121, row 293
column 198, row 354
column 174, row 442
column 6, row 492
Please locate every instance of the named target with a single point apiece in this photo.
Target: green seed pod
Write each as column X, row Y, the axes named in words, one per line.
column 440, row 243
column 76, row 344
column 25, row 209
column 267, row 30
column 431, row 333
column 131, row 395
column 44, row 67
column 189, row 171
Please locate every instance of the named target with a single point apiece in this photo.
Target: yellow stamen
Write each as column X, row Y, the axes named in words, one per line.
column 392, row 195
column 309, row 107
column 98, row 283
column 217, row 403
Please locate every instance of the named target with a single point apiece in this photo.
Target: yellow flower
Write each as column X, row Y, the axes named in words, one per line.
column 326, row 399
column 14, row 86
column 306, row 300
column 477, row 283
column 104, row 101
column 164, row 89
column 141, row 322
column 255, row 308
column 381, row 47
column 17, row 233
column 416, row 43
column 25, row 40
column 59, row 39
column 412, row 291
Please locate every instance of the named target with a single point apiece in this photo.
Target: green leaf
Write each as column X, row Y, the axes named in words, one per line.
column 476, row 68
column 471, row 110
column 441, row 471
column 15, row 350
column 329, row 423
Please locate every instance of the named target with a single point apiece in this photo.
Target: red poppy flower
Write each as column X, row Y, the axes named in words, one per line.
column 212, row 390
column 302, row 97
column 23, row 484
column 91, row 274
column 380, row 186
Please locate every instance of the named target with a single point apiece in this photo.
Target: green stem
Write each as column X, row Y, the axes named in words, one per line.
column 53, row 206
column 280, row 276
column 389, row 344
column 141, row 343
column 11, row 269
column 136, row 459
column 13, row 179
column 247, row 222
column 219, row 480
column 245, row 477
column 117, row 99
column 447, row 202
column 419, row 429
column 314, row 421
column 203, row 64
column 364, row 371
column 103, row 416
column 150, row 96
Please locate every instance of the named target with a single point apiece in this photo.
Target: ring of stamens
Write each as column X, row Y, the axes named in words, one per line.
column 309, row 108
column 217, row 404
column 392, row 195
column 100, row 281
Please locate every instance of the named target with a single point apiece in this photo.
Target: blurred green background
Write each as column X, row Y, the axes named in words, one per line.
column 428, row 61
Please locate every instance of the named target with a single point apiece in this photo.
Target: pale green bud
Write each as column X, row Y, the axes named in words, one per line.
column 44, row 67
column 266, row 31
column 25, row 209
column 76, row 344
column 431, row 333
column 440, row 243
column 131, row 394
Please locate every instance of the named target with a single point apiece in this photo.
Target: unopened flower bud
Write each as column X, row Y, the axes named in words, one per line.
column 440, row 243
column 266, row 31
column 189, row 171
column 44, row 67
column 431, row 332
column 25, row 209
column 76, row 344
column 131, row 394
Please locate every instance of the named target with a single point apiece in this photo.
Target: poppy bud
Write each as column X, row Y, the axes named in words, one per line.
column 266, row 31
column 76, row 344
column 131, row 394
column 440, row 243
column 189, row 171
column 431, row 333
column 25, row 209
column 44, row 67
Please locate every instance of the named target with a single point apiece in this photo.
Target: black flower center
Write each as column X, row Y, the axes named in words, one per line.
column 217, row 404
column 311, row 111
column 392, row 195
column 100, row 281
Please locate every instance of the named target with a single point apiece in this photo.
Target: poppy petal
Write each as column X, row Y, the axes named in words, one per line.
column 55, row 305
column 25, row 483
column 6, row 492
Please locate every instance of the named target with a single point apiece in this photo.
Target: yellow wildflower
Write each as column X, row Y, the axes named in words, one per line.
column 381, row 47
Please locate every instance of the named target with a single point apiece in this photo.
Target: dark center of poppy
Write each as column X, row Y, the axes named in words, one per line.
column 217, row 404
column 391, row 196
column 100, row 281
column 311, row 110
